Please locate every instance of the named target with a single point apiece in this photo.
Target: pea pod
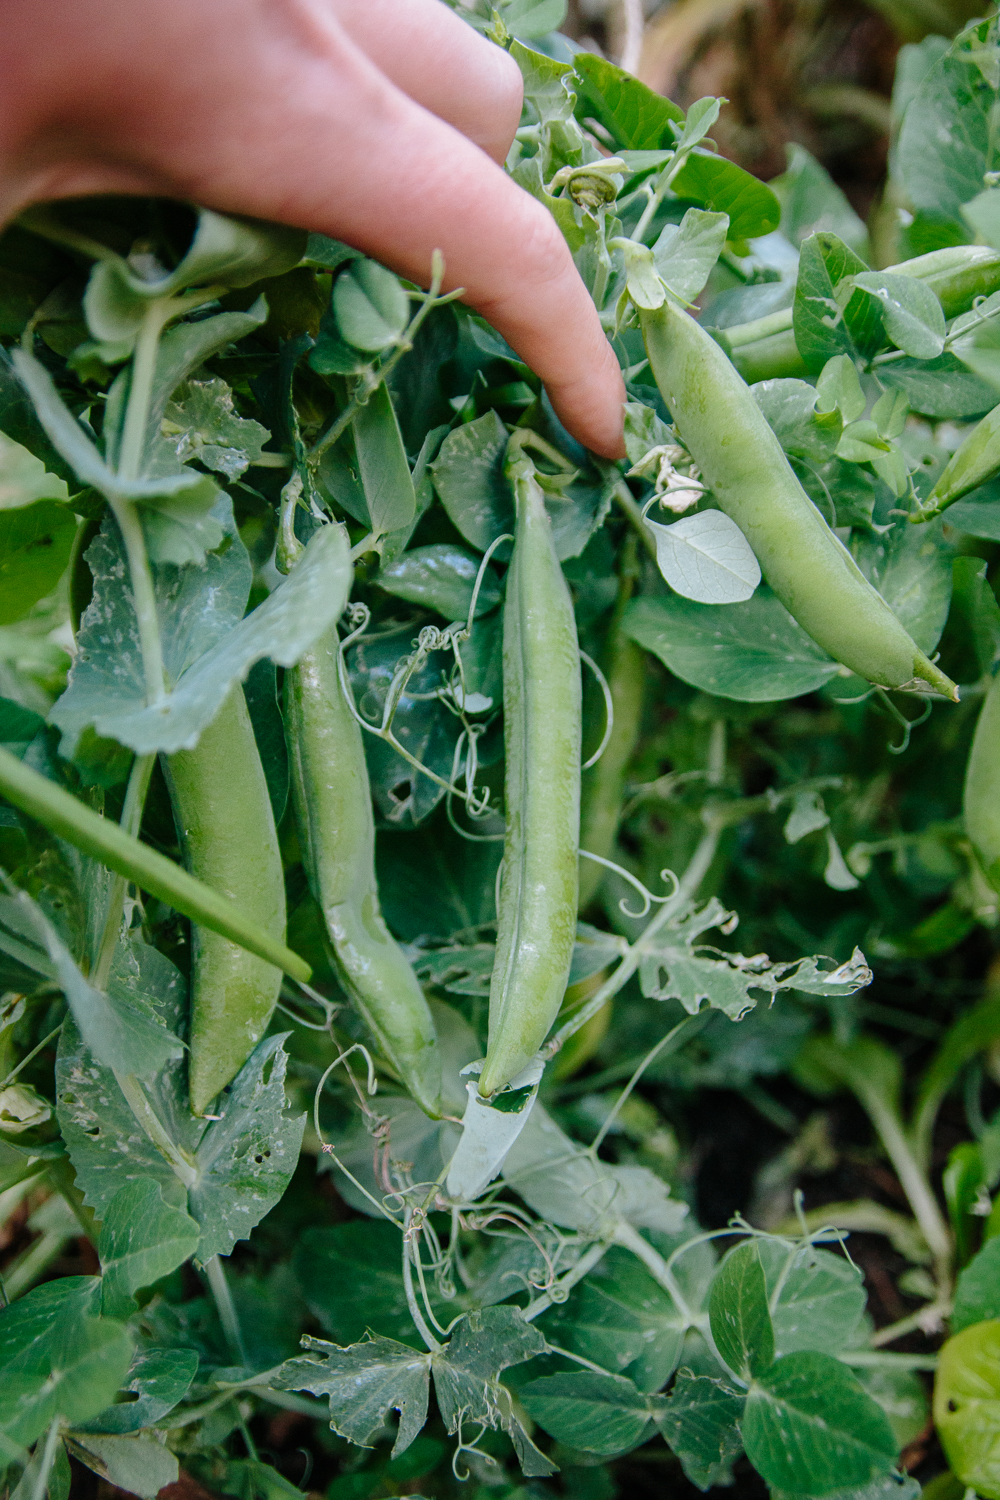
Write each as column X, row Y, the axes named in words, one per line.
column 743, row 464
column 765, row 348
column 975, row 460
column 226, row 828
column 333, row 809
column 542, row 714
column 981, row 800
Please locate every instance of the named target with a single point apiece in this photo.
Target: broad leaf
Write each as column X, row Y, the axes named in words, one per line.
column 977, row 1292
column 699, row 1422
column 967, row 1405
column 35, row 545
column 598, row 1413
column 442, row 577
column 706, row 557
column 158, row 1380
column 142, row 1239
column 364, row 1383
column 684, row 254
column 139, row 1465
column 739, row 1315
column 809, row 1426
column 638, row 118
column 753, row 651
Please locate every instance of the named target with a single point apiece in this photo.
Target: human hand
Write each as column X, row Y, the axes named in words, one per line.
column 379, row 122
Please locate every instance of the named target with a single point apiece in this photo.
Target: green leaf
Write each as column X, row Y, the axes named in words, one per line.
column 35, row 546
column 642, row 279
column 699, row 1422
column 824, row 326
column 384, row 472
column 469, row 478
column 529, row 19
column 239, row 1165
column 139, row 1465
column 142, row 1239
column 738, row 1313
column 911, row 568
column 364, row 1383
column 120, row 1026
column 706, row 557
column 467, row 1370
column 351, row 1277
column 201, row 422
column 158, row 1379
column 441, row 577
column 947, row 139
column 977, row 1292
column 977, row 514
column 715, row 183
column 839, row 387
column 685, row 253
column 752, row 651
column 637, row 118
column 24, row 478
column 914, row 320
column 58, row 1359
column 598, row 1413
column 207, row 650
column 809, row 1426
column 370, row 306
column 790, row 407
column 821, row 1297
column 967, row 1405
column 566, row 1185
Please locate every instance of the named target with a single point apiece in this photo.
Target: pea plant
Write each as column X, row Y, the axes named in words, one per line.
column 411, row 823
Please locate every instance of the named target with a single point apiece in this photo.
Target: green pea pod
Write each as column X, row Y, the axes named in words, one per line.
column 976, row 459
column 981, row 800
column 542, row 715
column 742, row 463
column 226, row 828
column 333, row 809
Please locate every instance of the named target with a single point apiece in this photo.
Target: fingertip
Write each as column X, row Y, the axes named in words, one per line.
column 593, row 407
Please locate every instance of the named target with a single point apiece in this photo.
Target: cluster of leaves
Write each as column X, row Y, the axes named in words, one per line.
column 549, row 1273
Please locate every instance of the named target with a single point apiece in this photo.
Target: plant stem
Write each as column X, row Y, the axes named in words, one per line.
column 759, row 328
column 912, row 1179
column 411, row 1297
column 624, row 497
column 588, row 1260
column 48, row 1459
column 144, row 599
column 131, row 819
column 140, row 391
column 215, row 1274
column 153, row 1126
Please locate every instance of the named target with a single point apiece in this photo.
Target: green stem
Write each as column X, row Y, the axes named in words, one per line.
column 154, row 1128
column 215, row 1274
column 588, row 1260
column 140, row 391
column 760, row 328
column 419, row 1320
column 66, row 817
column 135, row 801
column 633, row 510
column 912, row 1179
column 144, row 598
column 631, row 1239
column 48, row 1459
column 32, row 1054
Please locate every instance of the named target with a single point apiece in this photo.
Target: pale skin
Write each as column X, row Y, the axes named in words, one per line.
column 379, row 122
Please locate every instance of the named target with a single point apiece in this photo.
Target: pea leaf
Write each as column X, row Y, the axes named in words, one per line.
column 715, row 183
column 201, row 423
column 370, row 306
column 383, row 470
column 35, row 546
column 752, row 651
column 699, row 1422
column 58, row 1359
column 139, row 1465
column 706, row 557
column 159, row 1379
column 441, row 577
column 637, row 118
column 914, row 320
column 946, row 141
column 685, row 253
column 809, row 1426
column 529, row 19
column 821, row 1297
column 24, row 478
column 790, row 407
column 603, row 1414
column 824, row 325
column 351, row 1277
column 977, row 1293
column 364, row 1383
column 240, row 1164
column 566, row 1185
column 208, row 646
column 121, row 1027
column 142, row 1239
column 955, row 386
column 967, row 1403
column 739, row 1315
